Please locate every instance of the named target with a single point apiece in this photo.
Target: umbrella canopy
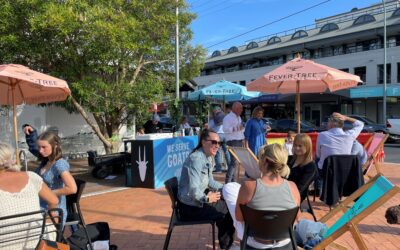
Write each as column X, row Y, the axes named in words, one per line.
column 303, row 76
column 223, row 90
column 19, row 84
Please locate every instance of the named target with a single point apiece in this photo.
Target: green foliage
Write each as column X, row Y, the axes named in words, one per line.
column 116, row 55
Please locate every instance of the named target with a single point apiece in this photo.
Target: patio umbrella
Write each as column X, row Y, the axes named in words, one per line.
column 303, row 76
column 19, row 84
column 223, row 90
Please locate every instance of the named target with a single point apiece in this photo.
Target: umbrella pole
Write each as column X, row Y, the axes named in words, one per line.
column 298, row 105
column 15, row 126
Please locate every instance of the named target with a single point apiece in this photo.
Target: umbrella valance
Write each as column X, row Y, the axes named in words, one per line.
column 223, row 90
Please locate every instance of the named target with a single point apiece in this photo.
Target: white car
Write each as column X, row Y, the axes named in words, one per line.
column 393, row 125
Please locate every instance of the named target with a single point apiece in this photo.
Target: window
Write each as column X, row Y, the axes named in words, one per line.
column 233, row 49
column 329, row 27
column 388, row 73
column 243, row 83
column 252, row 45
column 299, row 34
column 345, row 70
column 216, row 53
column 398, row 72
column 273, row 40
column 396, row 13
column 361, row 72
column 367, row 18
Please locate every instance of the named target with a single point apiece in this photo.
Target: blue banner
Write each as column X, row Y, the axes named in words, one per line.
column 365, row 92
column 169, row 155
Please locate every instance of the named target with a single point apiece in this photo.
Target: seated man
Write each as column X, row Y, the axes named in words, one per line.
column 152, row 126
column 336, row 141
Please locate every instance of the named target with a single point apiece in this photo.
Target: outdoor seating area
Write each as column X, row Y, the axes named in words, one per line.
column 143, row 216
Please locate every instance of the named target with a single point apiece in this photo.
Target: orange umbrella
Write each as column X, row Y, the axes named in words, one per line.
column 303, row 76
column 19, row 84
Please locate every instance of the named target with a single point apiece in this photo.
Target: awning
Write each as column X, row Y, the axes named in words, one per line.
column 376, row 91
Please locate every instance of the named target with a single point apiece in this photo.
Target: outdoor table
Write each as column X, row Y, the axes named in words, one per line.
column 154, row 159
column 280, row 138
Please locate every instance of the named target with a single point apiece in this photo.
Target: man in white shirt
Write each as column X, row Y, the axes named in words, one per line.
column 336, row 141
column 234, row 136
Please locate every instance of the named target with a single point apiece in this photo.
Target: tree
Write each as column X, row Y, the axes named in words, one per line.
column 116, row 55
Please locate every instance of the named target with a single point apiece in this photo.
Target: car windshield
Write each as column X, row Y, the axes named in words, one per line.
column 363, row 119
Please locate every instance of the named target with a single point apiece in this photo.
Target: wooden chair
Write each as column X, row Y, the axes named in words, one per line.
column 172, row 188
column 373, row 146
column 366, row 200
column 268, row 225
column 24, row 231
column 246, row 158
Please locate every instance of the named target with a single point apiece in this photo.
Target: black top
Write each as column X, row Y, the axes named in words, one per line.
column 151, row 128
column 303, row 176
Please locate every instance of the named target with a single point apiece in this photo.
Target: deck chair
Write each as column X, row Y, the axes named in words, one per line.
column 368, row 198
column 373, row 146
column 246, row 159
column 26, row 230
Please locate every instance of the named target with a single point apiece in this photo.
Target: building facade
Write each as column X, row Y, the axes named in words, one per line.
column 351, row 41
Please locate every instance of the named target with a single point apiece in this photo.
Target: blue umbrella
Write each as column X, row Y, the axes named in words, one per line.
column 223, row 90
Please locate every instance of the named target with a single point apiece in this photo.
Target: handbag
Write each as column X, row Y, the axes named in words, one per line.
column 51, row 245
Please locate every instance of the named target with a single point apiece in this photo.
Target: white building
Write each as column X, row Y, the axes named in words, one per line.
column 351, row 41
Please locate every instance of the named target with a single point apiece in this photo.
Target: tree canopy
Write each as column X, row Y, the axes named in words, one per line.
column 116, row 55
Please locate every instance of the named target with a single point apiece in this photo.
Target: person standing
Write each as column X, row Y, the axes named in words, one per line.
column 199, row 194
column 234, row 136
column 152, row 126
column 256, row 130
column 216, row 125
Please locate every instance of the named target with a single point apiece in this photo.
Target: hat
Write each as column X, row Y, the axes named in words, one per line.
column 155, row 118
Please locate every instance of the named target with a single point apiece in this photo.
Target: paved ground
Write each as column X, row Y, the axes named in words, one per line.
column 139, row 220
column 392, row 152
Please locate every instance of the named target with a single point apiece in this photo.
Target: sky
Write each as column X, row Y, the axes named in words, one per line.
column 219, row 20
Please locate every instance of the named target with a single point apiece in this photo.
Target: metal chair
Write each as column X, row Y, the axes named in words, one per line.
column 268, row 225
column 74, row 216
column 27, row 229
column 172, row 188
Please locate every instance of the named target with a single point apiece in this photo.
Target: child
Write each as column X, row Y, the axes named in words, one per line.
column 392, row 215
column 289, row 141
column 140, row 131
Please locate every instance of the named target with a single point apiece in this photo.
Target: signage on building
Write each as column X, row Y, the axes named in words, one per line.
column 366, row 92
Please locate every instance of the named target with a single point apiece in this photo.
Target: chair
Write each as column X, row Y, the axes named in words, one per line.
column 172, row 188
column 268, row 225
column 373, row 146
column 367, row 199
column 341, row 176
column 27, row 229
column 74, row 216
column 246, row 158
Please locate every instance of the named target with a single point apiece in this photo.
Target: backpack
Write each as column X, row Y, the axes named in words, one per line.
column 99, row 231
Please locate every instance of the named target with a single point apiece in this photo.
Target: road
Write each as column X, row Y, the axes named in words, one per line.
column 392, row 152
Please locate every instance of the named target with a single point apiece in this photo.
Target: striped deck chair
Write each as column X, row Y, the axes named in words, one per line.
column 368, row 198
column 373, row 146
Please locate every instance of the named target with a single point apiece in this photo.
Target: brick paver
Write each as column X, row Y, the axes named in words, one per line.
column 139, row 219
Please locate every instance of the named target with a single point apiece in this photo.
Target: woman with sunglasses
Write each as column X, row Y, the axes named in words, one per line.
column 199, row 194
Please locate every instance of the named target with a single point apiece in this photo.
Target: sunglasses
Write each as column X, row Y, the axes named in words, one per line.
column 214, row 142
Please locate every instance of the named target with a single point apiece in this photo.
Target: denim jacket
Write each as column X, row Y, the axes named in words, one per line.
column 196, row 177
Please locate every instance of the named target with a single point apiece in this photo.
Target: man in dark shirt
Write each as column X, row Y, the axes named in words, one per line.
column 152, row 126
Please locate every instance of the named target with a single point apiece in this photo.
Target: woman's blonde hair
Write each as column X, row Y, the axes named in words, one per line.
column 304, row 139
column 256, row 110
column 6, row 158
column 276, row 156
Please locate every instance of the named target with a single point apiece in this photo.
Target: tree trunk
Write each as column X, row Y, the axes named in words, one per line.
column 107, row 145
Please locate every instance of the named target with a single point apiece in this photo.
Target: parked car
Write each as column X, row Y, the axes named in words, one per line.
column 393, row 126
column 369, row 125
column 284, row 125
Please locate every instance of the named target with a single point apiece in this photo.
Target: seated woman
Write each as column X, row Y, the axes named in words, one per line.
column 270, row 192
column 19, row 193
column 302, row 167
column 199, row 194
